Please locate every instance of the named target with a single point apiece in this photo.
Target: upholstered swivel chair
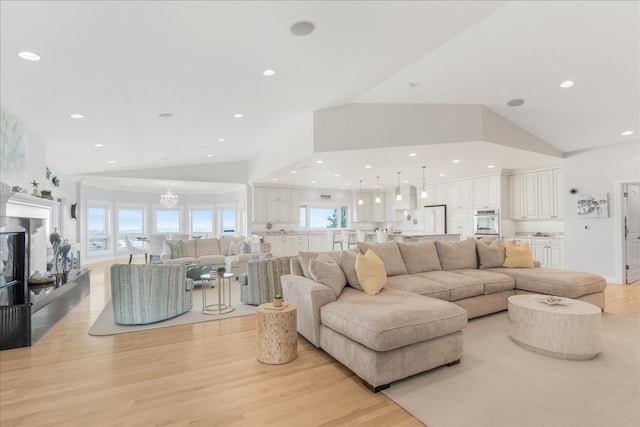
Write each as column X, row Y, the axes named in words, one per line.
column 142, row 294
column 133, row 250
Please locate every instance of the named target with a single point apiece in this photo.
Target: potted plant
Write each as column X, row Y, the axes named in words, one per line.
column 46, row 194
column 277, row 300
column 221, row 271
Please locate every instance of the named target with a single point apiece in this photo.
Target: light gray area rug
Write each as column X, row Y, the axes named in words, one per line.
column 498, row 383
column 105, row 324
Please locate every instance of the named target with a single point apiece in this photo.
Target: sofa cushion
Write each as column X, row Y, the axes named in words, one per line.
column 218, row 260
column 389, row 254
column 327, row 271
column 208, row 247
column 420, row 257
column 176, row 248
column 518, row 256
column 490, row 254
column 391, row 319
column 457, row 255
column 223, row 246
column 370, row 271
column 553, row 281
column 234, row 247
column 305, row 257
column 460, row 286
column 493, row 282
column 190, row 248
column 418, row 285
column 347, row 263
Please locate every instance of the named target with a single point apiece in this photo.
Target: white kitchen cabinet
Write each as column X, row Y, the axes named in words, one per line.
column 548, row 251
column 299, row 243
column 524, row 195
column 272, row 204
column 460, row 194
column 364, row 212
column 486, row 192
column 550, row 194
column 460, row 222
column 389, row 207
column 290, row 244
column 378, row 208
column 518, row 240
column 260, row 204
column 316, row 242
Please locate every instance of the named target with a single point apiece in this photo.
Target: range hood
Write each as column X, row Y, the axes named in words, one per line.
column 409, row 199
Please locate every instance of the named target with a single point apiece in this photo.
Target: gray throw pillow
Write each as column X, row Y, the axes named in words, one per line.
column 177, row 248
column 490, row 255
column 326, row 270
column 419, row 257
column 347, row 263
column 457, row 255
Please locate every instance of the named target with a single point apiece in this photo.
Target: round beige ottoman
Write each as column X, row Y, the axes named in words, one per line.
column 277, row 334
column 571, row 331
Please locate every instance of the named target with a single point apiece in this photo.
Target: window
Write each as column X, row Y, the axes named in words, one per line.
column 97, row 228
column 130, row 223
column 228, row 221
column 167, row 221
column 324, row 216
column 201, row 222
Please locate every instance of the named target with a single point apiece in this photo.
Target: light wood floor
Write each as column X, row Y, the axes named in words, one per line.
column 203, row 374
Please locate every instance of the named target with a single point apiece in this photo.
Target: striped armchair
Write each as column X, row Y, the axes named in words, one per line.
column 149, row 293
column 263, row 280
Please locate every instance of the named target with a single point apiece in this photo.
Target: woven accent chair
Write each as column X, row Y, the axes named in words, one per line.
column 149, row 293
column 263, row 280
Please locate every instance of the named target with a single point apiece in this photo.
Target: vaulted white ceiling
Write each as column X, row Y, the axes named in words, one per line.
column 122, row 64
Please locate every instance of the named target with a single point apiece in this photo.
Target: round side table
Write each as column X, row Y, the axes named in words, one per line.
column 277, row 334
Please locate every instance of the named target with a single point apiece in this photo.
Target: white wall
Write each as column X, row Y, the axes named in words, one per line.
column 600, row 170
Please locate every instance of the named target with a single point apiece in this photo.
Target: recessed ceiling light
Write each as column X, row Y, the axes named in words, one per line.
column 98, row 145
column 367, row 166
column 567, row 83
column 319, row 161
column 209, row 155
column 302, row 28
column 627, row 133
column 491, row 166
column 515, row 102
column 274, row 179
column 29, row 56
column 413, row 154
column 443, row 174
column 165, row 115
column 336, row 175
column 129, row 185
column 112, row 161
column 313, row 182
column 404, row 181
column 293, row 171
column 238, row 115
column 347, row 184
column 455, row 161
column 76, row 116
column 268, row 72
column 220, row 139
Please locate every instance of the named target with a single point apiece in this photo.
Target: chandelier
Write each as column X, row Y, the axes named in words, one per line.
column 168, row 199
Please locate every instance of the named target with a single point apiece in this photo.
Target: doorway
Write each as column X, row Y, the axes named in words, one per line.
column 631, row 230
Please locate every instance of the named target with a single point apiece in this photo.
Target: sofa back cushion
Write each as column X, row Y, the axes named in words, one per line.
column 390, row 255
column 457, row 255
column 326, row 270
column 207, row 247
column 190, row 247
column 420, row 257
column 490, row 253
column 347, row 263
column 306, row 257
column 223, row 246
column 175, row 248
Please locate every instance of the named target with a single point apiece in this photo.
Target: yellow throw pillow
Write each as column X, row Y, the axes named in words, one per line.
column 518, row 256
column 371, row 273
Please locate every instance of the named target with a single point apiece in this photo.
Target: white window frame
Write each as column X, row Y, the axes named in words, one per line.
column 93, row 204
column 158, row 208
column 308, row 207
column 132, row 236
column 220, row 228
column 210, row 208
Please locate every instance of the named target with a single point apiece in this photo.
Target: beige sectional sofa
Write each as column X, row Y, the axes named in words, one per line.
column 415, row 323
column 232, row 253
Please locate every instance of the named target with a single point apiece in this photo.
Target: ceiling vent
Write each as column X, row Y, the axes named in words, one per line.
column 325, row 197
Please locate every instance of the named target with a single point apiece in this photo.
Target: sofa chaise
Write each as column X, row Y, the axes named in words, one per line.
column 415, row 322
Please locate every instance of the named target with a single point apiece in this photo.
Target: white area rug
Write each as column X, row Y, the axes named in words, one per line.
column 499, row 383
column 105, row 324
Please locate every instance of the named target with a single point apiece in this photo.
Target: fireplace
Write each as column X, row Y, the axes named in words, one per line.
column 15, row 304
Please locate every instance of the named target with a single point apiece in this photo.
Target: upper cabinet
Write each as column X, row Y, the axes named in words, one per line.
column 460, row 194
column 364, row 212
column 272, row 204
column 486, row 192
column 537, row 195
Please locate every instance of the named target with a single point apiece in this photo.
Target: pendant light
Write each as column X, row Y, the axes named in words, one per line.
column 423, row 194
column 377, row 199
column 398, row 195
column 360, row 201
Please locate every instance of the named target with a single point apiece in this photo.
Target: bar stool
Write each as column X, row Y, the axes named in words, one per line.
column 346, row 238
column 335, row 240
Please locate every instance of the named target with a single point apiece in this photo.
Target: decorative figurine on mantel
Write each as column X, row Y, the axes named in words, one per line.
column 35, row 189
